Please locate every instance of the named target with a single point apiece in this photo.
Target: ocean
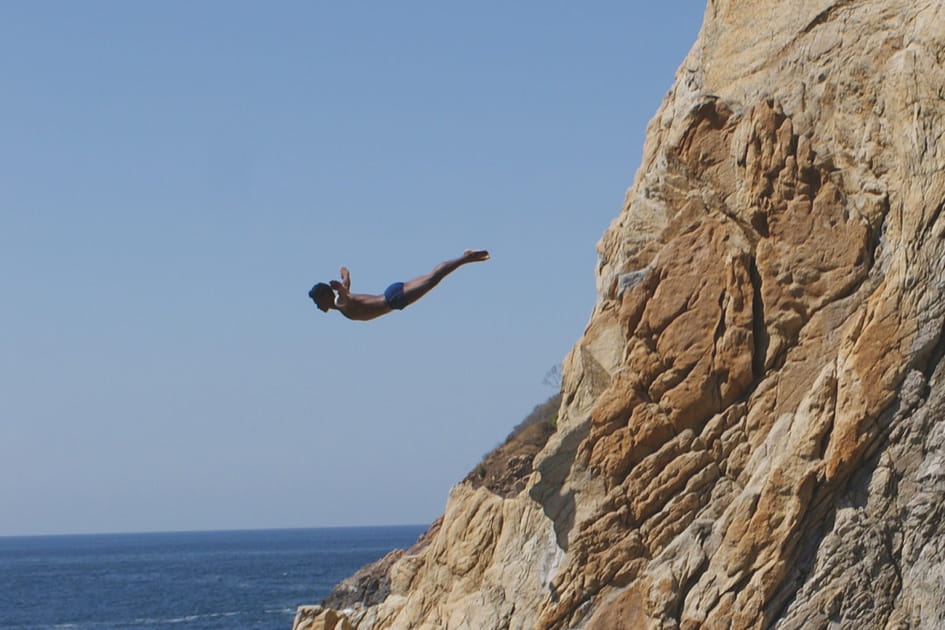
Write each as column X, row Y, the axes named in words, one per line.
column 251, row 580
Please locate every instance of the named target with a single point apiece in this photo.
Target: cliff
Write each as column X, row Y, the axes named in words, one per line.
column 752, row 429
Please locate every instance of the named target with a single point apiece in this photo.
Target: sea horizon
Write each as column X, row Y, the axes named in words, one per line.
column 222, row 530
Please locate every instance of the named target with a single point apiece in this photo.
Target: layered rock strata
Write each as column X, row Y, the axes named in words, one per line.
column 752, row 430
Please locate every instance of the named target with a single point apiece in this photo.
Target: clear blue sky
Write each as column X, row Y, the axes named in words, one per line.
column 176, row 175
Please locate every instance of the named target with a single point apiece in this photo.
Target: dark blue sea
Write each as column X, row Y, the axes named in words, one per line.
column 251, row 580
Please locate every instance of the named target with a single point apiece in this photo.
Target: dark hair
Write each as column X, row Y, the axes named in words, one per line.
column 321, row 290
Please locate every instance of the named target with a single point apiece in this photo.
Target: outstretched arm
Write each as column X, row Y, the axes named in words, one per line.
column 342, row 290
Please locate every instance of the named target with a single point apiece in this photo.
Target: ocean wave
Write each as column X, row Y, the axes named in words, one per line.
column 177, row 620
column 146, row 622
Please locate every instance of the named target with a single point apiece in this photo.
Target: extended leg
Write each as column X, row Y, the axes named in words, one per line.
column 418, row 287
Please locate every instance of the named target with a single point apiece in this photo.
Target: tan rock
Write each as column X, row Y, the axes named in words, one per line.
column 318, row 618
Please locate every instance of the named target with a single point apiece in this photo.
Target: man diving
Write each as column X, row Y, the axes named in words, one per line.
column 359, row 306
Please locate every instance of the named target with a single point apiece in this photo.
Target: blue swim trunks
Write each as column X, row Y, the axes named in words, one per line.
column 394, row 296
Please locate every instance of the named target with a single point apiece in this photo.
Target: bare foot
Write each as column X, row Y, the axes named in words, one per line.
column 475, row 255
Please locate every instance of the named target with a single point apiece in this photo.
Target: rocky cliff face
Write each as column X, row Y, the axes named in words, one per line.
column 752, row 431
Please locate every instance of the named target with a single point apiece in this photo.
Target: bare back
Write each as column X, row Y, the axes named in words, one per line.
column 363, row 307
